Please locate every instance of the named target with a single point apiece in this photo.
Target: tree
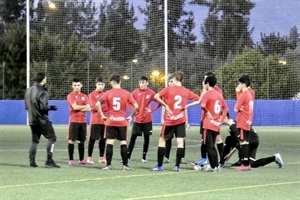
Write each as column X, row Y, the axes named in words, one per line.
column 273, row 44
column 225, row 30
column 270, row 79
column 293, row 38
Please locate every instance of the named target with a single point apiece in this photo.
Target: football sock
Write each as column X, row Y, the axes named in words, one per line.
column 91, row 147
column 109, row 153
column 124, row 154
column 220, row 147
column 263, row 161
column 71, row 151
column 50, row 149
column 179, row 155
column 160, row 155
column 212, row 156
column 203, row 150
column 168, row 148
column 183, row 155
column 145, row 146
column 81, row 151
column 131, row 145
column 245, row 154
column 32, row 151
column 101, row 147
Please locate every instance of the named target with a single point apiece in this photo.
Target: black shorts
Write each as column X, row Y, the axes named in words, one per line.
column 139, row 128
column 243, row 135
column 116, row 132
column 209, row 137
column 77, row 131
column 42, row 129
column 97, row 131
column 177, row 130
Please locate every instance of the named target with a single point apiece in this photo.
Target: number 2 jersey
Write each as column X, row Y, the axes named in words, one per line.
column 176, row 97
column 116, row 100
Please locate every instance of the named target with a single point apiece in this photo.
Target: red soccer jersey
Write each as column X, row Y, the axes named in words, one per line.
column 176, row 97
column 80, row 99
column 218, row 89
column 245, row 114
column 143, row 99
column 214, row 103
column 94, row 98
column 117, row 100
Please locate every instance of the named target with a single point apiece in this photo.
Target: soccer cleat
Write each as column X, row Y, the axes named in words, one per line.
column 33, row 165
column 71, row 162
column 126, row 168
column 183, row 161
column 202, row 161
column 102, row 159
column 166, row 160
column 243, row 168
column 238, row 163
column 196, row 166
column 51, row 164
column 177, row 169
column 107, row 168
column 209, row 169
column 144, row 160
column 82, row 162
column 89, row 161
column 157, row 169
column 278, row 160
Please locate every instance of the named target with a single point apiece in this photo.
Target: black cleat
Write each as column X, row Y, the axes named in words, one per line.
column 33, row 165
column 51, row 164
column 237, row 164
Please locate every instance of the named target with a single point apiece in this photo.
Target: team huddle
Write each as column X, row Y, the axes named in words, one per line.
column 109, row 122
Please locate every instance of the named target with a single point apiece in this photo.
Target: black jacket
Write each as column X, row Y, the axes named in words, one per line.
column 36, row 103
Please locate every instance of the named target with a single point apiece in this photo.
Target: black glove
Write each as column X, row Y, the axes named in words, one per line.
column 53, row 108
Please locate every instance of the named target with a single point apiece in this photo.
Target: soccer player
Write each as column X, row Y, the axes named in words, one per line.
column 78, row 105
column 116, row 122
column 175, row 99
column 143, row 118
column 244, row 110
column 36, row 103
column 97, row 126
column 214, row 110
column 232, row 145
column 169, row 141
column 219, row 141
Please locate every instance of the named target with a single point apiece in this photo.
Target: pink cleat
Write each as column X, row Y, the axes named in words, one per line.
column 102, row 159
column 82, row 162
column 71, row 162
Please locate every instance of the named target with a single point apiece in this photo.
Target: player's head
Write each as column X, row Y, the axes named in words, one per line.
column 210, row 81
column 76, row 85
column 244, row 81
column 115, row 79
column 170, row 80
column 209, row 73
column 177, row 77
column 99, row 84
column 40, row 77
column 143, row 82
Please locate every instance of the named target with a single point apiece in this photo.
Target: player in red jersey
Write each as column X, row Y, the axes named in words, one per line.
column 175, row 99
column 244, row 110
column 79, row 105
column 143, row 118
column 116, row 122
column 97, row 126
column 214, row 112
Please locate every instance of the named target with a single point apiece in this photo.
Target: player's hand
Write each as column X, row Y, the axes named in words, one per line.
column 168, row 110
column 53, row 107
column 129, row 119
column 228, row 156
column 209, row 115
column 148, row 110
column 104, row 117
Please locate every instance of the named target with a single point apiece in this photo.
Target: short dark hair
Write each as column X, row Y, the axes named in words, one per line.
column 99, row 79
column 76, row 80
column 115, row 77
column 211, row 80
column 39, row 76
column 245, row 79
column 209, row 73
column 144, row 78
column 178, row 75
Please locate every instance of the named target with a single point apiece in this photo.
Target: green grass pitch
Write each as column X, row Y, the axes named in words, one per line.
column 18, row 181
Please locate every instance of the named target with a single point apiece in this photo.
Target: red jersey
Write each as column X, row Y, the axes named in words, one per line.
column 213, row 102
column 251, row 91
column 245, row 114
column 143, row 99
column 117, row 100
column 219, row 90
column 80, row 99
column 176, row 97
column 94, row 98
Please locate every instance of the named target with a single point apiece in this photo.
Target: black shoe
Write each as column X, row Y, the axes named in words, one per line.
column 238, row 163
column 51, row 164
column 33, row 165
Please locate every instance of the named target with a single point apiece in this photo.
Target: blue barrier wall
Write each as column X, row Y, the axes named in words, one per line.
column 266, row 112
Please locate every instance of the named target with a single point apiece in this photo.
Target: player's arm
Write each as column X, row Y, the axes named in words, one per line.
column 92, row 102
column 43, row 101
column 238, row 105
column 159, row 100
column 224, row 112
column 87, row 108
column 162, row 117
column 99, row 109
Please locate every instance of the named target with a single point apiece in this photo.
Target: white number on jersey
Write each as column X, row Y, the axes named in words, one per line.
column 178, row 100
column 217, row 107
column 116, row 103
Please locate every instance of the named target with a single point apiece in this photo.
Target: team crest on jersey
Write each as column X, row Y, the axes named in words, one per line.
column 83, row 98
column 147, row 96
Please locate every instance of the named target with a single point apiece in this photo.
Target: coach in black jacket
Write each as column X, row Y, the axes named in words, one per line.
column 36, row 103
